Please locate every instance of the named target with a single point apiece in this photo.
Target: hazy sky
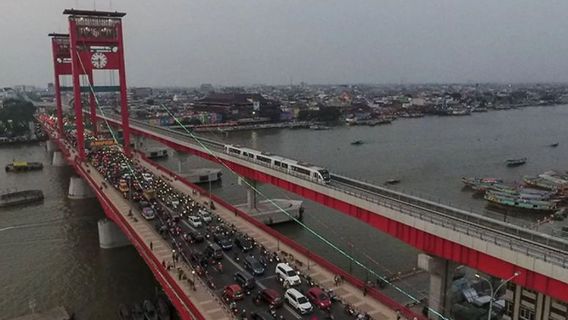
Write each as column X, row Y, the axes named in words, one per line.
column 240, row 42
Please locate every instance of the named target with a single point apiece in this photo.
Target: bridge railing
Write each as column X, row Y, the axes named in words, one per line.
column 537, row 245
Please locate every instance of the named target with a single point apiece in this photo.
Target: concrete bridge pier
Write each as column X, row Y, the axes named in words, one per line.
column 441, row 277
column 110, row 235
column 58, row 159
column 79, row 189
column 181, row 159
column 50, row 146
column 139, row 143
column 251, row 186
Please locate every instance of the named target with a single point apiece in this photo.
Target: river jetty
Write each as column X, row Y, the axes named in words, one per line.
column 20, row 197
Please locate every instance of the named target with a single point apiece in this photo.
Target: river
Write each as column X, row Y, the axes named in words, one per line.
column 56, row 245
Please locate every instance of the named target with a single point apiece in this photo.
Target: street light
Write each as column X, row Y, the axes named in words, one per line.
column 494, row 292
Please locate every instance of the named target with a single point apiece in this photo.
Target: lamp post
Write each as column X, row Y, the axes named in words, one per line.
column 494, row 292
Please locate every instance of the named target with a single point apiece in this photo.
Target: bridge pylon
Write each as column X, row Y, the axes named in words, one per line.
column 96, row 47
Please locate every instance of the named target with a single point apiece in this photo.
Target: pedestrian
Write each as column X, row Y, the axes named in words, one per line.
column 397, row 314
column 364, row 289
column 151, row 246
column 164, row 263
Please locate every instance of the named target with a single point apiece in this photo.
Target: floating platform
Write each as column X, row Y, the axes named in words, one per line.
column 59, row 313
column 203, row 175
column 269, row 213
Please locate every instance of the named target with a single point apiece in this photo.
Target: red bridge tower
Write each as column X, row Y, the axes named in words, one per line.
column 96, row 43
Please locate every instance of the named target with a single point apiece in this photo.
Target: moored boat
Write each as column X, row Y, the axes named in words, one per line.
column 516, row 202
column 516, row 162
column 480, row 184
column 392, row 181
column 554, row 145
column 20, row 197
column 21, row 166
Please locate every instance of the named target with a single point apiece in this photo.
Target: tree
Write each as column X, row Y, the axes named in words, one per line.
column 19, row 113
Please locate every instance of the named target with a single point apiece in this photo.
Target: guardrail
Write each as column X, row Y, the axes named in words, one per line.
column 538, row 245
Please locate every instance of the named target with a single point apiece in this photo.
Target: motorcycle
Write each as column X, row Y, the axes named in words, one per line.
column 349, row 309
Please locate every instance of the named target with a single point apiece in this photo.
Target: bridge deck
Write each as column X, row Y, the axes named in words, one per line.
column 205, row 300
column 346, row 291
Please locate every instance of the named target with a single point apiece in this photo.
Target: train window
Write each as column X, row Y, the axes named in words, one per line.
column 251, row 155
column 301, row 170
column 277, row 163
column 245, row 154
column 237, row 151
column 263, row 159
column 285, row 165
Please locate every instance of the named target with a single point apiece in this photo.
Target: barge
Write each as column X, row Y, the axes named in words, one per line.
column 20, row 197
column 21, row 166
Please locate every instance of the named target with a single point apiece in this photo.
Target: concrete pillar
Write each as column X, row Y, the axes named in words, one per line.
column 58, row 159
column 181, row 158
column 517, row 302
column 110, row 235
column 441, row 275
column 546, row 311
column 539, row 305
column 79, row 189
column 50, row 146
column 251, row 187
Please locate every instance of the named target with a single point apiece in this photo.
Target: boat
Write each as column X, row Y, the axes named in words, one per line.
column 517, row 202
column 480, row 184
column 149, row 310
column 357, row 142
column 515, row 162
column 21, row 166
column 137, row 312
column 540, row 183
column 20, row 197
column 392, row 181
column 124, row 312
column 319, row 127
column 163, row 308
column 554, row 145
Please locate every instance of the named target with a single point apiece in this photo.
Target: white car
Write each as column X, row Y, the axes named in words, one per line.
column 205, row 216
column 287, row 275
column 147, row 176
column 194, row 221
column 298, row 301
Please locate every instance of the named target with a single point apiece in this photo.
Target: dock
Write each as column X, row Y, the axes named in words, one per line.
column 58, row 313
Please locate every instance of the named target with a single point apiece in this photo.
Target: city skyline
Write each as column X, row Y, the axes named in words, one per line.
column 324, row 42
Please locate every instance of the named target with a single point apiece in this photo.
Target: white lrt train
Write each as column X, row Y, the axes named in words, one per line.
column 293, row 167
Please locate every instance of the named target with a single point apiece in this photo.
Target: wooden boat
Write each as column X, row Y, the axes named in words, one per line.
column 357, row 142
column 516, row 162
column 392, row 181
column 516, row 202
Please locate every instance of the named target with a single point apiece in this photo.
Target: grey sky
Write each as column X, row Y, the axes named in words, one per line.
column 240, row 42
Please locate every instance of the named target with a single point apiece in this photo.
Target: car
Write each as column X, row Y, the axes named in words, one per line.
column 319, row 298
column 147, row 177
column 196, row 236
column 244, row 280
column 298, row 301
column 288, row 276
column 253, row 265
column 233, row 292
column 261, row 315
column 243, row 242
column 213, row 251
column 223, row 241
column 148, row 213
column 272, row 297
column 194, row 221
column 205, row 215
